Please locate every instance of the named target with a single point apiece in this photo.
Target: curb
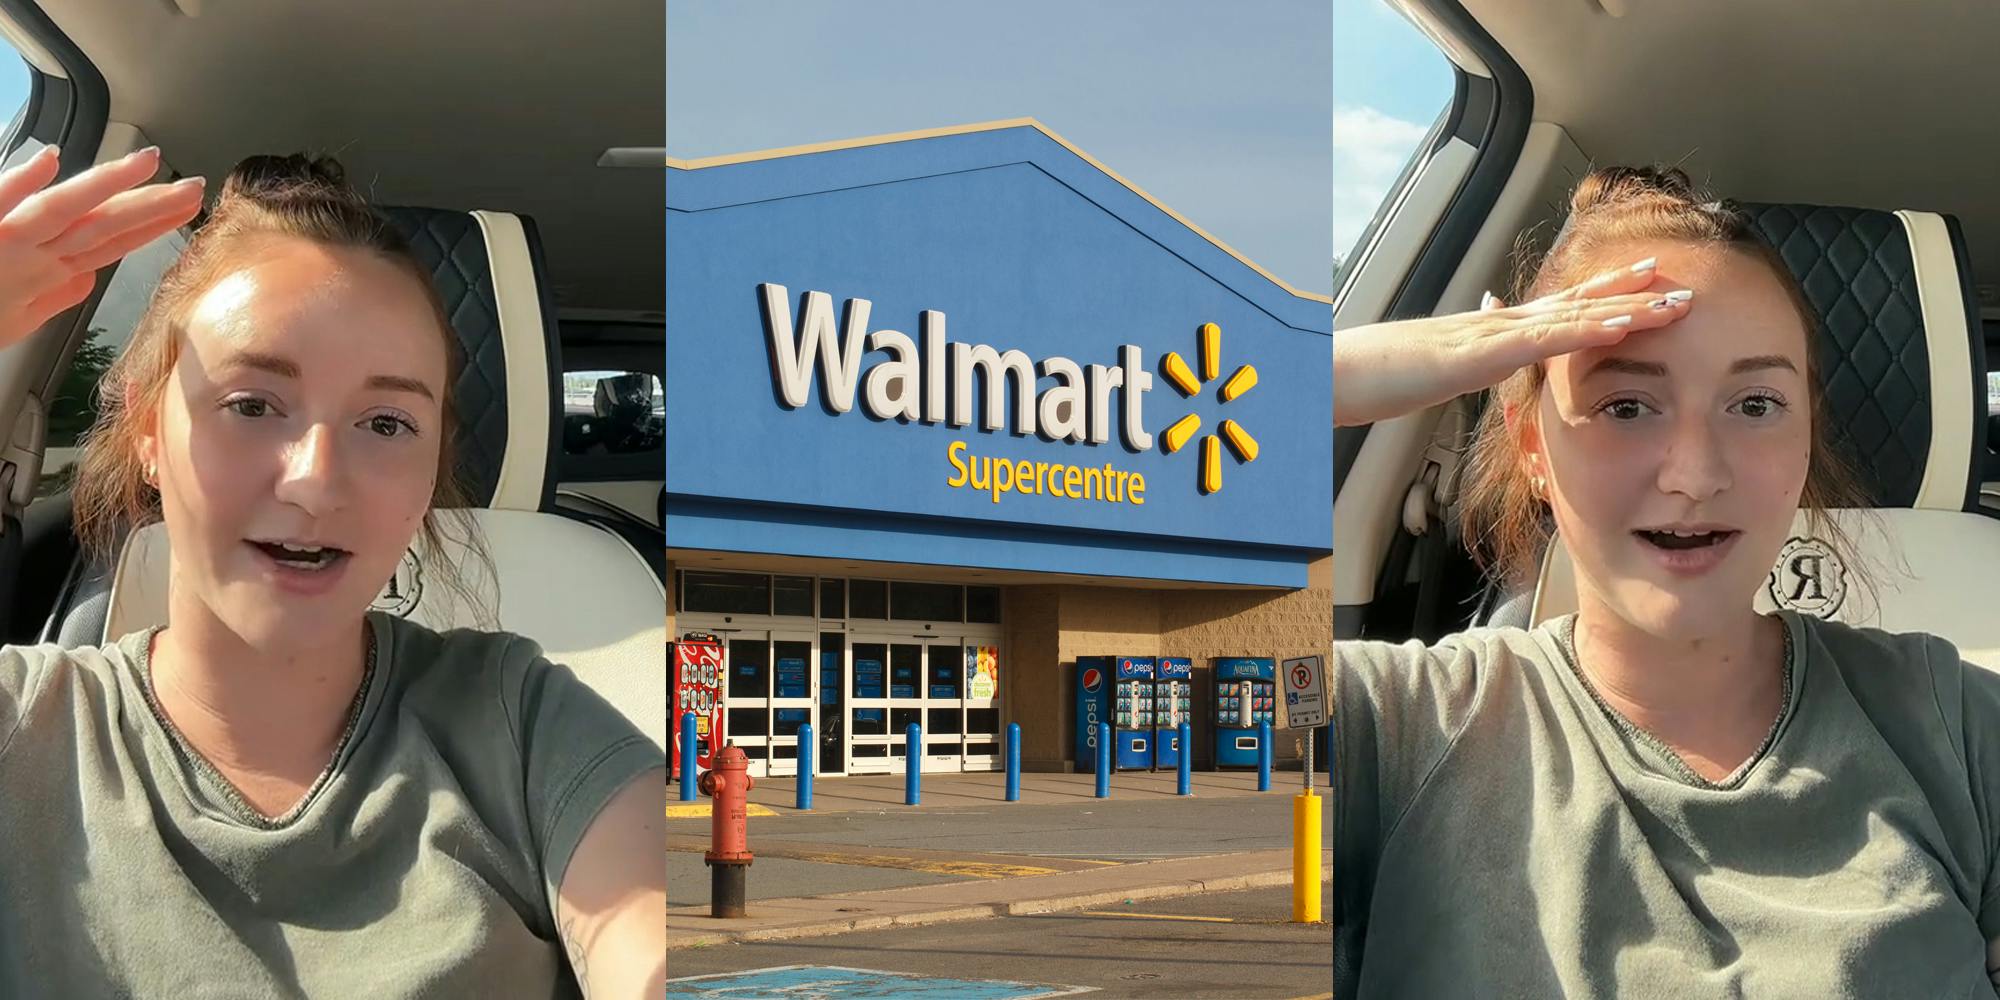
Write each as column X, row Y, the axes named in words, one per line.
column 980, row 911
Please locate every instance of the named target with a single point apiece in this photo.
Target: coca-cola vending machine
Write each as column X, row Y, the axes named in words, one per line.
column 697, row 677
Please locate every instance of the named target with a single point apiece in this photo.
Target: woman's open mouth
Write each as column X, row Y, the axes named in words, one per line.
column 1688, row 551
column 302, row 568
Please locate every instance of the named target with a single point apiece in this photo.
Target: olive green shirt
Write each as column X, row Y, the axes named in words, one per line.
column 1499, row 832
column 424, row 863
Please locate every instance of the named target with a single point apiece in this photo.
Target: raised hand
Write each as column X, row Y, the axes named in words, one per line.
column 1389, row 369
column 54, row 239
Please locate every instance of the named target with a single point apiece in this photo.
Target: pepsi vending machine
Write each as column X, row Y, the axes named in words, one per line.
column 1245, row 694
column 1173, row 691
column 1120, row 689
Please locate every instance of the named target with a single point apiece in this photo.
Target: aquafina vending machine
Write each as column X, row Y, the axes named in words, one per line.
column 1245, row 695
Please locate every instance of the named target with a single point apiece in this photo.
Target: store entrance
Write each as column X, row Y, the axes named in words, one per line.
column 769, row 696
column 858, row 690
column 943, row 683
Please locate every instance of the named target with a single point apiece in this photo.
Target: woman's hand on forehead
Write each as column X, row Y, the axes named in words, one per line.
column 54, row 239
column 1389, row 369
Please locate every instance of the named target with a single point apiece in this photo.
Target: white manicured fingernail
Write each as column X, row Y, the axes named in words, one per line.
column 1646, row 265
column 1680, row 295
column 1618, row 321
column 1485, row 301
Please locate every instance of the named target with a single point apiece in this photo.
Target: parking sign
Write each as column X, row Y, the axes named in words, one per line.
column 1304, row 678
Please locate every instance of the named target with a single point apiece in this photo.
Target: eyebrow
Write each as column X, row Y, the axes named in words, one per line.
column 1742, row 366
column 1761, row 362
column 263, row 363
column 286, row 368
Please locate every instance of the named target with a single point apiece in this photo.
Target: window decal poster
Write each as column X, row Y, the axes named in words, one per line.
column 983, row 670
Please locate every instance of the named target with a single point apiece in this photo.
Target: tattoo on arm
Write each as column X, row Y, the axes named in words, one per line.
column 579, row 961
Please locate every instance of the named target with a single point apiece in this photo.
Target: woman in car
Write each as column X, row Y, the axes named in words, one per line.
column 280, row 793
column 1665, row 794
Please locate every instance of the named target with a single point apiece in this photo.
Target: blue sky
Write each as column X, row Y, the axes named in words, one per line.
column 13, row 84
column 1389, row 85
column 1218, row 110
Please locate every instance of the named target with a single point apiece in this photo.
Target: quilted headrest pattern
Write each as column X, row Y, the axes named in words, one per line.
column 452, row 246
column 1855, row 267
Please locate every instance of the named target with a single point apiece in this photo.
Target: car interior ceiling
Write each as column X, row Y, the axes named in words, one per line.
column 292, row 75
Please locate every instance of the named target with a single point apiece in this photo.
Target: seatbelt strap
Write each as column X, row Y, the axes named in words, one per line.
column 1430, row 496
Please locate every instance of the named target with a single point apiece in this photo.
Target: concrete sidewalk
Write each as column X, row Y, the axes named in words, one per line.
column 883, row 791
column 815, row 916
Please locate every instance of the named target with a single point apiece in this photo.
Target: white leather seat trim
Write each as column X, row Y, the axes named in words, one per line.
column 523, row 342
column 1942, row 303
column 1920, row 571
column 581, row 592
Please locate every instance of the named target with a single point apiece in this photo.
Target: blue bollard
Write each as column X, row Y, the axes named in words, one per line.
column 1104, row 760
column 913, row 762
column 803, row 797
column 1263, row 756
column 1013, row 762
column 1186, row 752
column 688, row 766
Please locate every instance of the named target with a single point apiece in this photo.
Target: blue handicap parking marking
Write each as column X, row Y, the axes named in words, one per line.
column 832, row 982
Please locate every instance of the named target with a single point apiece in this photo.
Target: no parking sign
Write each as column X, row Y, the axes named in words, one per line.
column 1304, row 681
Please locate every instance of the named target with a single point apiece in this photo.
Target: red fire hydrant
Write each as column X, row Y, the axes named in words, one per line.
column 728, row 855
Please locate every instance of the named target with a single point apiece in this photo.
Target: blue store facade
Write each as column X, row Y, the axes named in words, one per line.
column 947, row 410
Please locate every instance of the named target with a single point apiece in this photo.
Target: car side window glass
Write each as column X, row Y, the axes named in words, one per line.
column 1390, row 84
column 73, row 406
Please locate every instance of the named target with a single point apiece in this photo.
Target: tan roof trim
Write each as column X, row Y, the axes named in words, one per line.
column 878, row 140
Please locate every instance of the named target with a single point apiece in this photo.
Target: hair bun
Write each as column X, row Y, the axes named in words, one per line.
column 270, row 178
column 1611, row 185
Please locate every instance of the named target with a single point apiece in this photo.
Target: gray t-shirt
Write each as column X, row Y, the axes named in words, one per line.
column 424, row 864
column 1499, row 833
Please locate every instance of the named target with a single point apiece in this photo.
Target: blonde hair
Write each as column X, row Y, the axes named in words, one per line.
column 263, row 197
column 1504, row 521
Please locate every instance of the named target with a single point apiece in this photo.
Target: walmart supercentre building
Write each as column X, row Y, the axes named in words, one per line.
column 962, row 428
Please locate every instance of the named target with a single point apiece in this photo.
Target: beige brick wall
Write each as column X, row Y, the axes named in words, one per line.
column 1035, row 679
column 1047, row 628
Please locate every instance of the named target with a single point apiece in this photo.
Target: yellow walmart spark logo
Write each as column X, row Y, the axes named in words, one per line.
column 1241, row 381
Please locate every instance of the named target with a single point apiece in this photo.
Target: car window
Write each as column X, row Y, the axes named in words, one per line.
column 612, row 419
column 1390, row 85
column 15, row 86
column 73, row 406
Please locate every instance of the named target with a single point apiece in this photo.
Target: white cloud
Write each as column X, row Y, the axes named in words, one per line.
column 1369, row 151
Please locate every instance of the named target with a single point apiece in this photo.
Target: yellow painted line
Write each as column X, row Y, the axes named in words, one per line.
column 1316, row 996
column 1158, row 916
column 702, row 809
column 970, row 869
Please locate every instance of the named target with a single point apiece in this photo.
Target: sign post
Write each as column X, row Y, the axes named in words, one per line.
column 1303, row 680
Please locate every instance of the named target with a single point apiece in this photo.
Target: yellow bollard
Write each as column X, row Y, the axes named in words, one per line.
column 1305, row 857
